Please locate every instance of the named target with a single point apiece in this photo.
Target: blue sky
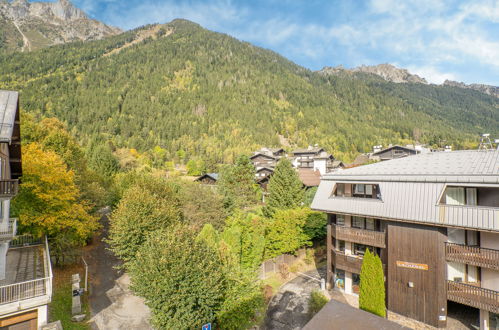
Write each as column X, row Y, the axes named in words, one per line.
column 457, row 40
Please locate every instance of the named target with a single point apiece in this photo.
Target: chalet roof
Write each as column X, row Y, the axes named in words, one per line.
column 393, row 147
column 8, row 109
column 309, row 177
column 338, row 163
column 213, row 176
column 466, row 166
column 324, row 155
column 262, row 154
column 310, row 150
column 274, row 150
column 265, row 168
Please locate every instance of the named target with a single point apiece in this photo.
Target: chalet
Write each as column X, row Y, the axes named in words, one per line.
column 208, row 178
column 434, row 221
column 267, row 157
column 315, row 158
column 263, row 160
column 264, row 172
column 25, row 269
column 393, row 152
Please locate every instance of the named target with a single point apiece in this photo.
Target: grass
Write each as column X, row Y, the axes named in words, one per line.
column 60, row 307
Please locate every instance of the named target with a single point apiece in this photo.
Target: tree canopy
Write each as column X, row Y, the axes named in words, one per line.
column 285, row 190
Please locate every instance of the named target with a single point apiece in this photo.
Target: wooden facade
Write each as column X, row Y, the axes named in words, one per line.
column 416, row 272
column 362, row 236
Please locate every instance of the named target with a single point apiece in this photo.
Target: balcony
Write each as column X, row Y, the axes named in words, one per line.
column 28, row 276
column 8, row 230
column 472, row 255
column 347, row 263
column 9, row 188
column 473, row 296
column 362, row 236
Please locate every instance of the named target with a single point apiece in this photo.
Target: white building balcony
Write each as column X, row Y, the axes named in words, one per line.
column 28, row 276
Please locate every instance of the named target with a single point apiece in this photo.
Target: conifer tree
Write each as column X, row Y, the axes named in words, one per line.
column 237, row 184
column 285, row 189
column 372, row 285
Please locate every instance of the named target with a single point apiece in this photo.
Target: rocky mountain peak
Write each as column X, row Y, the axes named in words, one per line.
column 486, row 89
column 386, row 71
column 40, row 24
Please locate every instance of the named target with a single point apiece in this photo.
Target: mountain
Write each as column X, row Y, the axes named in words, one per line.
column 386, row 71
column 28, row 26
column 487, row 89
column 178, row 91
column 393, row 74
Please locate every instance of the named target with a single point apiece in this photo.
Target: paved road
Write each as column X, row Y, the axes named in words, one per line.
column 112, row 305
column 288, row 309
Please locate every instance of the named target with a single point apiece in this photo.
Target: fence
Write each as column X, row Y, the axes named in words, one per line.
column 272, row 266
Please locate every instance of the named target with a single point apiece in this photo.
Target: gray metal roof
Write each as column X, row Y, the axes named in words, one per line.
column 468, row 166
column 8, row 108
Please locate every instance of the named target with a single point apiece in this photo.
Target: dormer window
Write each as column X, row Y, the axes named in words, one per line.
column 471, row 196
column 358, row 190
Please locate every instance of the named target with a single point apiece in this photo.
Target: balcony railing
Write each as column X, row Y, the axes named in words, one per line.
column 9, row 188
column 472, row 255
column 473, row 296
column 25, row 240
column 361, row 236
column 30, row 289
column 348, row 263
column 8, row 230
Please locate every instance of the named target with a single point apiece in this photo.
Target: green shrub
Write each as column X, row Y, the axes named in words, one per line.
column 372, row 285
column 317, row 301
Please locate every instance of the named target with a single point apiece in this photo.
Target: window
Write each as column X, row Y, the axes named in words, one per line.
column 370, row 224
column 341, row 246
column 358, row 222
column 364, row 223
column 340, row 189
column 340, row 220
column 360, row 249
column 366, row 191
column 471, row 196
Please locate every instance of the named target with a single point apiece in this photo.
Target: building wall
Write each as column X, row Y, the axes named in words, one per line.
column 417, row 293
column 320, row 165
column 490, row 277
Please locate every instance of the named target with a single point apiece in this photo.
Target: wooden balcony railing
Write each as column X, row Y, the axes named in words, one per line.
column 9, row 188
column 472, row 255
column 473, row 296
column 347, row 263
column 361, row 236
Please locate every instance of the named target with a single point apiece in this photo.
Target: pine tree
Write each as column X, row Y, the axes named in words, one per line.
column 285, row 189
column 237, row 184
column 372, row 285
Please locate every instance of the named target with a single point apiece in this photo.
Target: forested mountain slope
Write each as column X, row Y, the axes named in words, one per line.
column 198, row 93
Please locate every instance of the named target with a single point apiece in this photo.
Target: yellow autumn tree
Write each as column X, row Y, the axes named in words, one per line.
column 48, row 201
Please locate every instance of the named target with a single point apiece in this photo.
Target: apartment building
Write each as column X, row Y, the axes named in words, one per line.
column 25, row 270
column 434, row 221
